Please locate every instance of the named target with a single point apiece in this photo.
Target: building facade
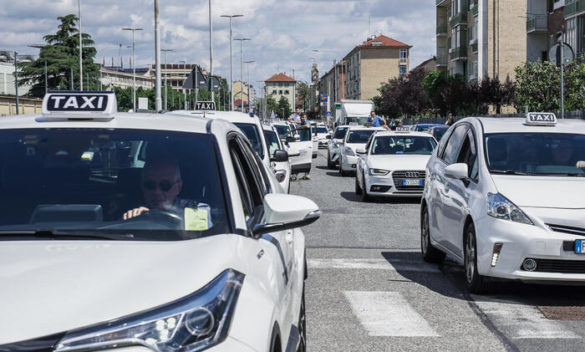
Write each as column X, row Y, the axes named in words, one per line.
column 241, row 93
column 373, row 63
column 281, row 85
column 123, row 78
column 7, row 78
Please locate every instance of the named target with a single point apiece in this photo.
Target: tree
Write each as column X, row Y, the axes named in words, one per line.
column 304, row 94
column 433, row 83
column 538, row 87
column 283, row 110
column 404, row 95
column 271, row 105
column 61, row 53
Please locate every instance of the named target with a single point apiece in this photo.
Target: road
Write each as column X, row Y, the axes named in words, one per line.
column 369, row 290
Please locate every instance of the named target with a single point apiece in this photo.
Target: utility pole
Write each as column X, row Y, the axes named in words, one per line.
column 166, row 75
column 157, row 102
column 242, row 69
column 133, row 29
column 80, row 49
column 231, row 67
column 248, row 74
column 210, row 56
column 16, row 79
column 184, row 89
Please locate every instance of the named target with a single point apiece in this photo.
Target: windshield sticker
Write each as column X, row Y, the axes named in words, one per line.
column 196, row 219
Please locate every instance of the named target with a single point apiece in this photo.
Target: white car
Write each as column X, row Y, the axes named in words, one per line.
column 279, row 163
column 220, row 268
column 393, row 164
column 333, row 146
column 356, row 137
column 505, row 198
column 321, row 132
column 300, row 153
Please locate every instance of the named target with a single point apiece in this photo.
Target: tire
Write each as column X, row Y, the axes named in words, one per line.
column 365, row 196
column 358, row 189
column 430, row 254
column 476, row 283
column 302, row 325
column 330, row 164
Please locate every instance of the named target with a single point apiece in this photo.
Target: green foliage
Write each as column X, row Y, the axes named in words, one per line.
column 305, row 95
column 271, row 105
column 61, row 53
column 283, row 110
column 538, row 87
column 404, row 95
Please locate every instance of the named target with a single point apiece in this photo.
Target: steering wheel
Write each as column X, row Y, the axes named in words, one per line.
column 160, row 216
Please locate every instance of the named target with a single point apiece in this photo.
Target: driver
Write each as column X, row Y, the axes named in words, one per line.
column 161, row 184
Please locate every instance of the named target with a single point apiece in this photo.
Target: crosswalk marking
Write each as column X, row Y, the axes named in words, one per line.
column 519, row 321
column 372, row 263
column 387, row 314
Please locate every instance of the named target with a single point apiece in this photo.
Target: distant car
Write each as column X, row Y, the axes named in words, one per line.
column 356, row 137
column 438, row 131
column 333, row 146
column 321, row 132
column 279, row 165
column 393, row 163
column 424, row 127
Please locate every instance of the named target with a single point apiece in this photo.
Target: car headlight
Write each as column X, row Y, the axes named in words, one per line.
column 501, row 207
column 379, row 172
column 349, row 151
column 191, row 324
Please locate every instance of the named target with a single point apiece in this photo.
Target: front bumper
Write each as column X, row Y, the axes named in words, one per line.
column 386, row 186
column 348, row 163
column 553, row 251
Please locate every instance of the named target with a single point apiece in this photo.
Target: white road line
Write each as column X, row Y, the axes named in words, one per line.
column 387, row 314
column 374, row 263
column 520, row 321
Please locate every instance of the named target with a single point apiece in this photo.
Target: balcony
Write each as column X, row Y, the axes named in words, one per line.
column 536, row 23
column 442, row 2
column 442, row 58
column 459, row 53
column 574, row 7
column 442, row 29
column 459, row 19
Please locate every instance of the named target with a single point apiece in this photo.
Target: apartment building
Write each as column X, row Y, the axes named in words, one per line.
column 281, row 85
column 373, row 63
column 333, row 82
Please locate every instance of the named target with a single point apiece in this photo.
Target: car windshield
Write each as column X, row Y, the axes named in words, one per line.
column 271, row 141
column 340, row 133
column 389, row 145
column 251, row 131
column 359, row 136
column 84, row 181
column 283, row 130
column 359, row 120
column 556, row 154
column 422, row 128
column 438, row 132
column 321, row 130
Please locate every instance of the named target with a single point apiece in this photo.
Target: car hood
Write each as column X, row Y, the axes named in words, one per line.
column 54, row 286
column 542, row 192
column 398, row 162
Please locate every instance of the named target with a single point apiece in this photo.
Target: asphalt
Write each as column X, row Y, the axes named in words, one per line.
column 369, row 290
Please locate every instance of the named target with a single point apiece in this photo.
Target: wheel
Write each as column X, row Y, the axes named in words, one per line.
column 475, row 283
column 365, row 196
column 430, row 254
column 330, row 164
column 302, row 326
column 358, row 189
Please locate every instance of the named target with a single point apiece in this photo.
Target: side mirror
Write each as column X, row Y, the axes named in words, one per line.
column 286, row 212
column 328, row 136
column 279, row 156
column 290, row 139
column 456, row 171
column 360, row 151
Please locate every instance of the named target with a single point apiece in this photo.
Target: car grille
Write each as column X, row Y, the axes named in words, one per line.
column 567, row 229
column 399, row 176
column 560, row 266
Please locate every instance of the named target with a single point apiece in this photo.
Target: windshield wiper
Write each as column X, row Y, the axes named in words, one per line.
column 66, row 234
column 508, row 172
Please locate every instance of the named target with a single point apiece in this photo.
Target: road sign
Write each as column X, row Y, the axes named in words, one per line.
column 323, row 98
column 205, row 105
column 554, row 54
column 328, row 113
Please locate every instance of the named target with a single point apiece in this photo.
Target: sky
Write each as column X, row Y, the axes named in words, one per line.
column 284, row 33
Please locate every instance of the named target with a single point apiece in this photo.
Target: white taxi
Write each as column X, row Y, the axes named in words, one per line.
column 355, row 138
column 333, row 146
column 144, row 232
column 279, row 163
column 393, row 164
column 300, row 153
column 505, row 197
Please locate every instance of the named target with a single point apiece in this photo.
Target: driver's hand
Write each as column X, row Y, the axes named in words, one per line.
column 581, row 164
column 134, row 213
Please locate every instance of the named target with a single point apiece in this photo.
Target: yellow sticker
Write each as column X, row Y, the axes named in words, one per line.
column 196, row 219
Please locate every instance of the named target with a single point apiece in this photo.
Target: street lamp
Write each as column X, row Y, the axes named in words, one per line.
column 16, row 79
column 242, row 68
column 80, row 49
column 248, row 74
column 231, row 73
column 184, row 89
column 157, row 101
column 166, row 75
column 133, row 29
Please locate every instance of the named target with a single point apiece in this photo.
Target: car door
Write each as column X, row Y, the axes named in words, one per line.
column 439, row 214
column 458, row 194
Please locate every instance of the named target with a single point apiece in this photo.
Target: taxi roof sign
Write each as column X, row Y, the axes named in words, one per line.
column 541, row 119
column 205, row 105
column 79, row 105
column 402, row 129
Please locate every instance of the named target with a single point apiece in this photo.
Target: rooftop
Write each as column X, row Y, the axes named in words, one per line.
column 384, row 41
column 280, row 77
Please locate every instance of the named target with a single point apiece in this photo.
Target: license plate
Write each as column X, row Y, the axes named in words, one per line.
column 353, row 166
column 580, row 247
column 415, row 182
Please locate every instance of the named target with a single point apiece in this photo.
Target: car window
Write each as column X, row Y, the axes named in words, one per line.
column 252, row 189
column 272, row 141
column 454, row 144
column 253, row 134
column 283, row 131
column 88, row 179
column 321, row 130
column 388, row 145
column 340, row 133
column 359, row 136
column 468, row 155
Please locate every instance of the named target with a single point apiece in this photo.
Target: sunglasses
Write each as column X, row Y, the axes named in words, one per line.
column 163, row 185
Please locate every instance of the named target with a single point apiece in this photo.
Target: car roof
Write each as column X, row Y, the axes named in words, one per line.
column 354, row 128
column 518, row 124
column 408, row 133
column 268, row 128
column 427, row 124
column 231, row 116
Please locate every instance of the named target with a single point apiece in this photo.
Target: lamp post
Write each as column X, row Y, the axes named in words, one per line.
column 157, row 101
column 248, row 74
column 16, row 79
column 210, row 85
column 133, row 29
column 231, row 67
column 242, row 40
column 184, row 89
column 80, row 48
column 166, row 75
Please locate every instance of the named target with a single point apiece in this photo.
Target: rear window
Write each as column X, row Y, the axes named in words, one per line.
column 251, row 131
column 340, row 133
column 403, row 145
column 81, row 181
column 359, row 136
